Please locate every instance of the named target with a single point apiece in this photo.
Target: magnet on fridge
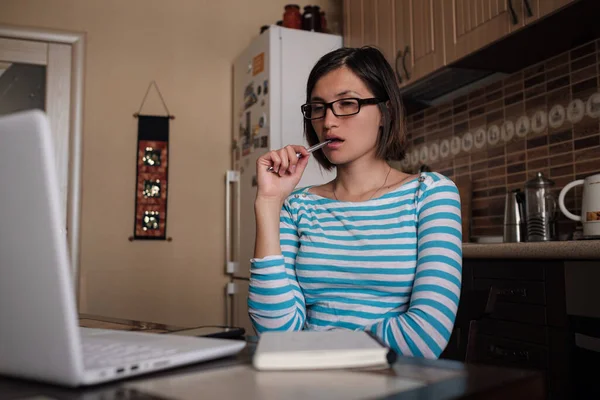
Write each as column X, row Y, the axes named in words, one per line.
column 258, row 64
column 255, row 131
column 264, row 142
column 261, row 121
column 250, row 97
column 259, row 90
column 266, row 86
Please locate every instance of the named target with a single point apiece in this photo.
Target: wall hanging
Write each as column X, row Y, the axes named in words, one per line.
column 152, row 177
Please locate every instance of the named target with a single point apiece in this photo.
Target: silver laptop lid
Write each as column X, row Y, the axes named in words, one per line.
column 38, row 321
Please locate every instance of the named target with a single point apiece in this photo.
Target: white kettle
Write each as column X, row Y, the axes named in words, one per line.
column 590, row 207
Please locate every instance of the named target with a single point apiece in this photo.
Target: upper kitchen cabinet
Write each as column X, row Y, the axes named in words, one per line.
column 473, row 24
column 549, row 6
column 528, row 11
column 419, row 38
column 408, row 32
column 370, row 23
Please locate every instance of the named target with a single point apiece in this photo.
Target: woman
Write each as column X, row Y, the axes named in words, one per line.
column 374, row 249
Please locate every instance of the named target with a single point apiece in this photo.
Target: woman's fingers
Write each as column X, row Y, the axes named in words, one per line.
column 300, row 149
column 285, row 162
column 291, row 153
column 275, row 160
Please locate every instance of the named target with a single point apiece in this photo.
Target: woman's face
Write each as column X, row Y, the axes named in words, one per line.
column 356, row 135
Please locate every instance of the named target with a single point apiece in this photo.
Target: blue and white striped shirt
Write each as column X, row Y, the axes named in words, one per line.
column 391, row 265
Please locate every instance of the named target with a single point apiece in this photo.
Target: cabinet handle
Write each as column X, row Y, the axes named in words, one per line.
column 513, row 14
column 406, row 51
column 528, row 8
column 512, row 353
column 520, row 292
column 398, row 74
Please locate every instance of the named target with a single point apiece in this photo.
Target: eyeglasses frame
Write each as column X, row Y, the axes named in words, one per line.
column 361, row 102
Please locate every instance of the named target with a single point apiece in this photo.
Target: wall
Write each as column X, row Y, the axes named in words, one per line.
column 506, row 132
column 187, row 46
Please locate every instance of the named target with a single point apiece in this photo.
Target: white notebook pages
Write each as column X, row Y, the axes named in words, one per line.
column 306, row 350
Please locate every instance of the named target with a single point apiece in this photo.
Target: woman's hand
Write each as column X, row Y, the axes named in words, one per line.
column 276, row 185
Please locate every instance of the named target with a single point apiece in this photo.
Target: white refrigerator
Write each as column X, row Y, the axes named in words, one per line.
column 269, row 86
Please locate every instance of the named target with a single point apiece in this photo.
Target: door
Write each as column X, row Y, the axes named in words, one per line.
column 37, row 75
column 473, row 24
column 419, row 38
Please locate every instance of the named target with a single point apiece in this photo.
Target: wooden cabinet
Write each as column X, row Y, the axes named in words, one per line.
column 546, row 7
column 473, row 24
column 423, row 48
column 526, row 324
column 529, row 11
column 420, row 36
column 408, row 32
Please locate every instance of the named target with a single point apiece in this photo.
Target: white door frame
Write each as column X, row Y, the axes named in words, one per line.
column 77, row 42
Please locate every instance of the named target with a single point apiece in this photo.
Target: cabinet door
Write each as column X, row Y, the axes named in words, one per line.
column 425, row 49
column 548, row 6
column 402, row 40
column 353, row 23
column 408, row 32
column 473, row 24
column 370, row 22
column 384, row 13
column 529, row 11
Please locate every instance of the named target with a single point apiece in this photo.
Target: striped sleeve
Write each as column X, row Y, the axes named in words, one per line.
column 424, row 329
column 275, row 300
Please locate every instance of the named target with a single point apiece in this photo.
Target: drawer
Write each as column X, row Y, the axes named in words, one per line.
column 526, row 313
column 537, row 334
column 514, row 291
column 510, row 353
column 508, row 270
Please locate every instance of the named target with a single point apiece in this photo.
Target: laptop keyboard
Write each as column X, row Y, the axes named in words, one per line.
column 104, row 353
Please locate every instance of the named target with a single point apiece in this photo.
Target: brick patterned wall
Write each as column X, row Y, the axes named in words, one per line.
column 543, row 118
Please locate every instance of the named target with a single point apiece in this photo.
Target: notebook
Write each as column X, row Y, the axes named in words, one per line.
column 304, row 350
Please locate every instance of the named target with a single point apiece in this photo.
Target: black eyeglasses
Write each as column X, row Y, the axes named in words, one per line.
column 340, row 108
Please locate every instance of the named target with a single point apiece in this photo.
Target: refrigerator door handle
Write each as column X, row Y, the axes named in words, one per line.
column 232, row 177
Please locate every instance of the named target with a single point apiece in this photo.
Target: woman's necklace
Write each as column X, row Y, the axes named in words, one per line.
column 381, row 187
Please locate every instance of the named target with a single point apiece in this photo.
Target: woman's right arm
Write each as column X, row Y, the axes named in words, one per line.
column 275, row 299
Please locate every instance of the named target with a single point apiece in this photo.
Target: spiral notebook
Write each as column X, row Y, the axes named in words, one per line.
column 305, row 350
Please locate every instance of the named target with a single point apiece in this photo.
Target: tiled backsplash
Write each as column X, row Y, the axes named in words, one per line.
column 544, row 118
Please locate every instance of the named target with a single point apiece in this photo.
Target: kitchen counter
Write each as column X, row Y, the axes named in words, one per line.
column 563, row 250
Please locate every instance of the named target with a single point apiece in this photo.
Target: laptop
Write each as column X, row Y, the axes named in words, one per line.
column 39, row 334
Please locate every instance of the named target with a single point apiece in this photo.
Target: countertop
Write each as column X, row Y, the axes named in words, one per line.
column 563, row 250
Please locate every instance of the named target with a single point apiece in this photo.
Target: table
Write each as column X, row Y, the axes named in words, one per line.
column 234, row 377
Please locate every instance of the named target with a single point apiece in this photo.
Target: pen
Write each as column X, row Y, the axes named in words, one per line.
column 310, row 150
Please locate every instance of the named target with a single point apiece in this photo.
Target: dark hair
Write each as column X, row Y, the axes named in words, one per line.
column 369, row 64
